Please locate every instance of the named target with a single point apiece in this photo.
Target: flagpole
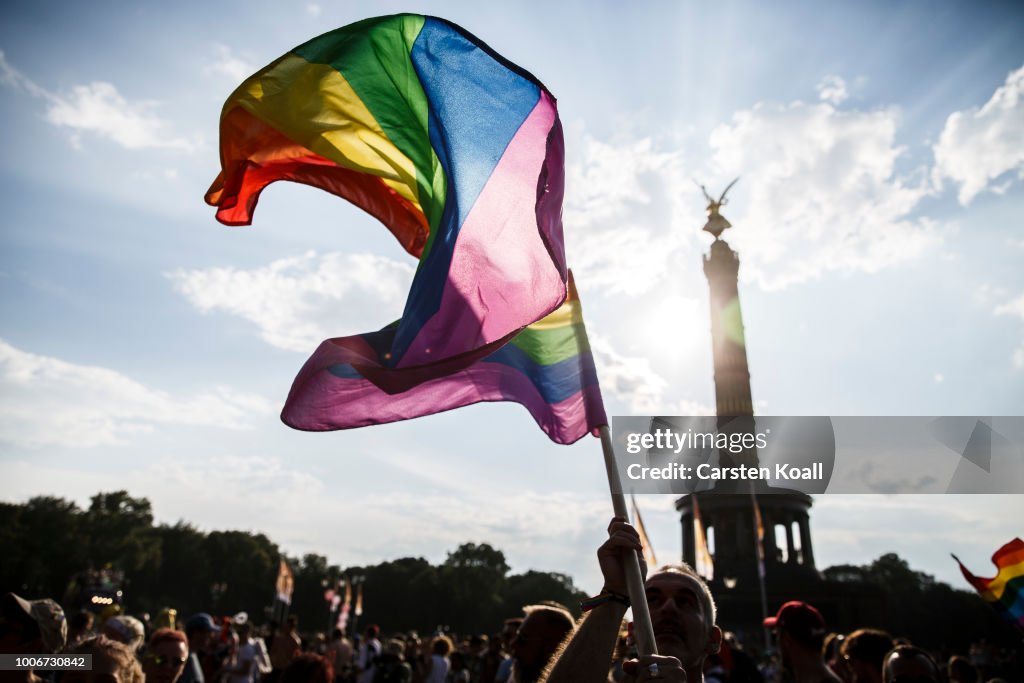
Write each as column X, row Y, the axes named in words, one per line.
column 644, row 630
column 759, row 554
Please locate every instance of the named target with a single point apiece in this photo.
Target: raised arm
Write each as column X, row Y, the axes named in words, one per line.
column 587, row 656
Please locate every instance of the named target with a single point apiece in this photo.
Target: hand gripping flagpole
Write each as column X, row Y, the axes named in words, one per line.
column 644, row 630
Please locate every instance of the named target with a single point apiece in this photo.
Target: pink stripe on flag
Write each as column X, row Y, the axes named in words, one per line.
column 501, row 235
column 317, row 394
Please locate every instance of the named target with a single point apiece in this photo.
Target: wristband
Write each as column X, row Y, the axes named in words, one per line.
column 603, row 597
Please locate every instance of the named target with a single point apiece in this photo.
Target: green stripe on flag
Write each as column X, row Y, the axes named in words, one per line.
column 547, row 347
column 375, row 59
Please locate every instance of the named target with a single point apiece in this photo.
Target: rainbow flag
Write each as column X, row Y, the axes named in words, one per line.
column 548, row 368
column 759, row 532
column 1005, row 591
column 285, row 583
column 456, row 150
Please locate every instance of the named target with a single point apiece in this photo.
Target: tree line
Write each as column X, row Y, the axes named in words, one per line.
column 50, row 547
column 49, row 544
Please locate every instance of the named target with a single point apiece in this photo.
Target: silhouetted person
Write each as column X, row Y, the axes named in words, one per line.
column 112, row 660
column 908, row 663
column 457, row 671
column 800, row 633
column 832, row 650
column 437, row 667
column 308, row 668
column 391, row 665
column 80, row 627
column 285, row 647
column 742, row 667
column 29, row 627
column 960, row 670
column 199, row 629
column 369, row 650
column 543, row 629
column 508, row 634
column 250, row 660
column 340, row 652
column 491, row 660
column 864, row 650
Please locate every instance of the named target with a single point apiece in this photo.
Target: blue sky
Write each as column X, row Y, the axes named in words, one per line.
column 145, row 346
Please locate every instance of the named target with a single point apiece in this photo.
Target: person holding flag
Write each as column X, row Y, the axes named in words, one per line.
column 460, row 154
column 682, row 613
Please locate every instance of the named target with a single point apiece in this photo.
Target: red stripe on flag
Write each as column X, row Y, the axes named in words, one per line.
column 249, row 169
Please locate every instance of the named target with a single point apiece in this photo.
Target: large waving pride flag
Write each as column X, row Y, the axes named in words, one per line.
column 1005, row 591
column 548, row 368
column 456, row 150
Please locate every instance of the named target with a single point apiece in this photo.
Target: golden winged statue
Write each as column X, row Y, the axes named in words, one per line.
column 716, row 221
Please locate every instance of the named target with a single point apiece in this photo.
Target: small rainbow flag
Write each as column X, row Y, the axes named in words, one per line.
column 638, row 522
column 548, row 368
column 1005, row 591
column 455, row 149
column 285, row 583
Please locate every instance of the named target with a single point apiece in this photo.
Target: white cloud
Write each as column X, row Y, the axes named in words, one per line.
column 625, row 217
column 977, row 146
column 832, row 89
column 298, row 302
column 313, row 9
column 820, row 192
column 1012, row 307
column 632, row 380
column 98, row 108
column 939, row 378
column 47, row 401
column 1018, row 357
column 225, row 63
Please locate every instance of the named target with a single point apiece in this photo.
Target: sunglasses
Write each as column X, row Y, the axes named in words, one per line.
column 170, row 662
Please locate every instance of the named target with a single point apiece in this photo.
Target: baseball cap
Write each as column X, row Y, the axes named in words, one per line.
column 48, row 616
column 200, row 622
column 798, row 618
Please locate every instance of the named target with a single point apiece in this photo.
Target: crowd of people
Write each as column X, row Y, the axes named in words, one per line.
column 545, row 644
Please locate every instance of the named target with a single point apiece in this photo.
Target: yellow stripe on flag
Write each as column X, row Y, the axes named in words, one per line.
column 315, row 106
